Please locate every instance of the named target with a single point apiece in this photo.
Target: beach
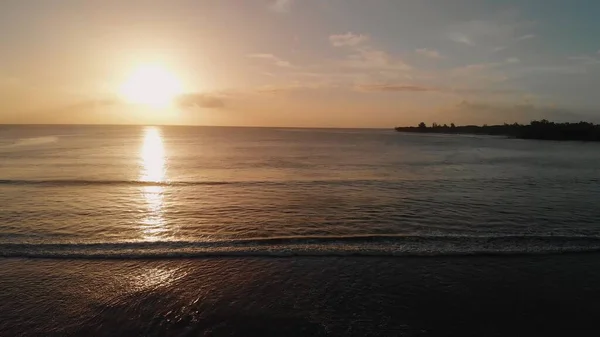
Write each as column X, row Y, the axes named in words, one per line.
column 546, row 295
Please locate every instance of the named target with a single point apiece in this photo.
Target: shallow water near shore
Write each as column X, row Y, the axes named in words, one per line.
column 553, row 295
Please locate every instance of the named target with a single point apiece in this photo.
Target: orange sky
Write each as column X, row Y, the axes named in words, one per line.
column 323, row 63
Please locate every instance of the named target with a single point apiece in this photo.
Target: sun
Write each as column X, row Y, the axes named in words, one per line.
column 151, row 85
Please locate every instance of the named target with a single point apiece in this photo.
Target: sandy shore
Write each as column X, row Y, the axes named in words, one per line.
column 547, row 295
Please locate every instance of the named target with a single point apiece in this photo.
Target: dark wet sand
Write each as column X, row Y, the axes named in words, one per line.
column 551, row 295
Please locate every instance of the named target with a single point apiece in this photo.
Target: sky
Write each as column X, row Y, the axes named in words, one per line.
column 305, row 63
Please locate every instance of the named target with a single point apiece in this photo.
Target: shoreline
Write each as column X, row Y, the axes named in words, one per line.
column 492, row 296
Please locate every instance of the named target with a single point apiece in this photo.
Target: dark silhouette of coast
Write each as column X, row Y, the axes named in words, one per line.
column 543, row 129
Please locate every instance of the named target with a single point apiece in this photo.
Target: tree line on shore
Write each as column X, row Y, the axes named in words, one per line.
column 542, row 129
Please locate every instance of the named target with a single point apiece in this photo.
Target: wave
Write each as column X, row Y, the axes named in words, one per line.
column 333, row 182
column 367, row 245
column 30, row 142
column 78, row 182
column 88, row 182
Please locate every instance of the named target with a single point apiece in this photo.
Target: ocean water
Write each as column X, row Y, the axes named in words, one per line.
column 204, row 231
column 128, row 191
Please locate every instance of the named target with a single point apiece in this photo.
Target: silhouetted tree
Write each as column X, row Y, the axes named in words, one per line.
column 542, row 129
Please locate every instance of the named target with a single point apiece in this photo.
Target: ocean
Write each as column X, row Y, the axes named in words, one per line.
column 173, row 230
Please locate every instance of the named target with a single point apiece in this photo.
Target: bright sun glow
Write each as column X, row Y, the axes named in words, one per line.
column 151, row 85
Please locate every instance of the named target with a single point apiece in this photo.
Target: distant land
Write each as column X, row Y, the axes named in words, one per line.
column 543, row 129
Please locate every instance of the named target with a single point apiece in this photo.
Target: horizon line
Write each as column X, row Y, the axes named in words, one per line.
column 196, row 125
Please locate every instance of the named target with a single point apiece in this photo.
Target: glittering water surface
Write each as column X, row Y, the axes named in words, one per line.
column 104, row 191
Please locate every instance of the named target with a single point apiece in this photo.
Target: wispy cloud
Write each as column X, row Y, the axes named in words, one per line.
column 429, row 53
column 461, row 38
column 476, row 67
column 375, row 60
column 272, row 58
column 478, row 74
column 402, row 87
column 281, row 6
column 526, row 37
column 287, row 88
column 493, row 32
column 94, row 103
column 348, row 39
column 366, row 58
column 563, row 69
column 499, row 48
column 585, row 59
column 384, row 87
column 200, row 100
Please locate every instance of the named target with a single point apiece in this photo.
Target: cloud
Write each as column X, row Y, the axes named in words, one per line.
column 569, row 69
column 281, row 6
column 399, row 87
column 478, row 74
column 274, row 90
column 289, row 88
column 365, row 58
column 368, row 59
column 94, row 103
column 526, row 37
column 585, row 59
column 461, row 38
column 483, row 91
column 499, row 48
column 200, row 100
column 189, row 100
column 348, row 39
column 498, row 31
column 476, row 67
column 272, row 58
column 430, row 53
column 382, row 87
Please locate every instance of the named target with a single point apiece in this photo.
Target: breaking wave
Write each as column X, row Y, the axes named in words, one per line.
column 367, row 245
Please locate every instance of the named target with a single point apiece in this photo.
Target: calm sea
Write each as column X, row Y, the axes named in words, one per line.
column 206, row 231
column 128, row 191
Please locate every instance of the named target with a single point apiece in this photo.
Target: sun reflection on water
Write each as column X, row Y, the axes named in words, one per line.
column 153, row 156
column 144, row 279
column 153, row 169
